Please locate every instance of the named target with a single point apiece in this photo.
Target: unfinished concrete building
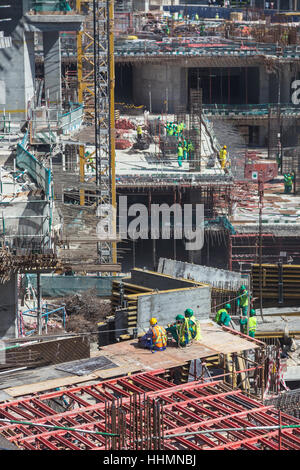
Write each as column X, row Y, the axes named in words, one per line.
column 114, row 117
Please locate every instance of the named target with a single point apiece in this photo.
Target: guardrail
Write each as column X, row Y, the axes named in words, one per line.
column 192, row 46
column 72, row 120
column 38, row 172
column 33, row 314
column 249, row 110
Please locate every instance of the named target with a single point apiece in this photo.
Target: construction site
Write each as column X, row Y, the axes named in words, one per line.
column 149, row 225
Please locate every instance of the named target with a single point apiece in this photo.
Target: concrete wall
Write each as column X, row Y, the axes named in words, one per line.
column 166, row 305
column 8, row 308
column 158, row 281
column 140, row 5
column 161, row 81
column 212, row 276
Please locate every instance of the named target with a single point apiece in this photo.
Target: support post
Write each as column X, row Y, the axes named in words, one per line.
column 39, row 305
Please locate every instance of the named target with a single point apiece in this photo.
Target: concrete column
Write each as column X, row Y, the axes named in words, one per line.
column 286, row 79
column 8, row 308
column 153, row 84
column 52, row 66
column 17, row 74
column 264, row 79
column 262, row 135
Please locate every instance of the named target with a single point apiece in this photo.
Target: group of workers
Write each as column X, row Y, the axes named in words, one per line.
column 175, row 129
column 184, row 151
column 185, row 147
column 184, row 330
column 247, row 325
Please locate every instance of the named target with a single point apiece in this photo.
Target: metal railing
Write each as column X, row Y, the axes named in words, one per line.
column 33, row 313
column 72, row 120
column 38, row 172
column 250, row 109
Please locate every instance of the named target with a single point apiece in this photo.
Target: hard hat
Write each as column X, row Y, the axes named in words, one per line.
column 225, row 147
column 189, row 312
column 153, row 321
column 179, row 317
column 252, row 312
column 243, row 287
column 228, row 306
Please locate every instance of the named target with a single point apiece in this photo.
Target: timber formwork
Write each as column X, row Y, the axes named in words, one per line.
column 279, row 282
column 148, row 412
column 125, row 296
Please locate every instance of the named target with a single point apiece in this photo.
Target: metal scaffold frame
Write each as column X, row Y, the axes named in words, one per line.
column 96, row 81
column 145, row 411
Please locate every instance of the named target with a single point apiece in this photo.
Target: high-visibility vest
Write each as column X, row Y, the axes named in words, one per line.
column 244, row 301
column 184, row 333
column 195, row 328
column 223, row 154
column 139, row 130
column 219, row 313
column 252, row 324
column 159, row 336
column 180, row 152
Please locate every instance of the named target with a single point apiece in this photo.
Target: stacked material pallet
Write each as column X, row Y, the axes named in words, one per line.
column 279, row 282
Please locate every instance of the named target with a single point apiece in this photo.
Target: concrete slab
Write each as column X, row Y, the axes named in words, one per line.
column 214, row 341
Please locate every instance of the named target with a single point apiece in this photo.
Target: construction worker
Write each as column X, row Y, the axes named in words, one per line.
column 179, row 154
column 90, row 164
column 194, row 324
column 243, row 300
column 190, row 149
column 288, row 182
column 180, row 331
column 222, row 316
column 64, row 5
column 251, row 322
column 223, row 156
column 139, row 132
column 155, row 338
column 285, row 37
column 185, row 150
column 170, row 129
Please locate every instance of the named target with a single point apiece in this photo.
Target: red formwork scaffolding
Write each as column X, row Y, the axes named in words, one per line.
column 191, row 416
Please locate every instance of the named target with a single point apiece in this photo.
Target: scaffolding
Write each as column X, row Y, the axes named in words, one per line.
column 95, row 48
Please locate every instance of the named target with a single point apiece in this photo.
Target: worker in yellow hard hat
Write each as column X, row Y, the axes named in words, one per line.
column 155, row 338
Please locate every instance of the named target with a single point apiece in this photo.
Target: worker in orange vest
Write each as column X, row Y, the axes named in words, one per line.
column 155, row 338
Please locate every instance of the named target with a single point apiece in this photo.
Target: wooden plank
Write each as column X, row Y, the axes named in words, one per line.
column 29, row 389
column 48, row 385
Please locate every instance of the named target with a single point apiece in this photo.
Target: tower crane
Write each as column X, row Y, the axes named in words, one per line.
column 96, row 83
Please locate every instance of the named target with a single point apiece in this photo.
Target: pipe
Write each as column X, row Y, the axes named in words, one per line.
column 50, row 426
column 248, row 428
